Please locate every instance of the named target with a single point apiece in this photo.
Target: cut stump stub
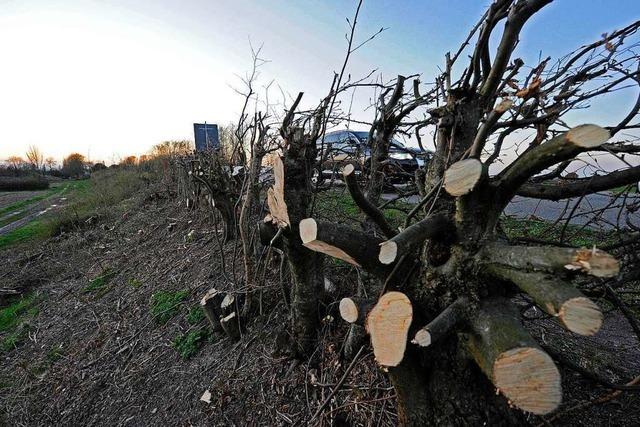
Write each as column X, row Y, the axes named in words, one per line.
column 594, row 262
column 210, row 304
column 348, row 310
column 231, row 326
column 309, row 235
column 512, row 359
column 348, row 170
column 388, row 252
column 355, row 309
column 462, row 177
column 529, row 379
column 581, row 316
column 388, row 325
column 588, row 136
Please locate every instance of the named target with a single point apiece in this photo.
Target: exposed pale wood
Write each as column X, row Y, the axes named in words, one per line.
column 308, row 234
column 348, row 170
column 442, row 324
column 529, row 378
column 463, row 176
column 210, row 304
column 595, row 262
column 435, row 227
column 345, row 243
column 231, row 326
column 388, row 252
column 348, row 310
column 355, row 309
column 275, row 195
column 581, row 315
column 575, row 311
column 227, row 305
column 388, row 325
column 512, row 360
column 588, row 136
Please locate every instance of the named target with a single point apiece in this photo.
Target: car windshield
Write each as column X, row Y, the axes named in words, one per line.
column 362, row 136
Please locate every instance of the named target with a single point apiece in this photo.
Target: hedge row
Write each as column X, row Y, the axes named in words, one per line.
column 23, row 183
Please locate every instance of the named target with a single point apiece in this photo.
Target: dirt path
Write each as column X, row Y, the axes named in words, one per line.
column 32, row 211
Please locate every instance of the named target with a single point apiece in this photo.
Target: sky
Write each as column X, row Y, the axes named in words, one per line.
column 111, row 78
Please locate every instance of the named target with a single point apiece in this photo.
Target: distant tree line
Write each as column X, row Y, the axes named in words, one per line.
column 76, row 165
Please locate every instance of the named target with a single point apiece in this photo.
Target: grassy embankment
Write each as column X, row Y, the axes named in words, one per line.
column 106, row 193
column 94, row 197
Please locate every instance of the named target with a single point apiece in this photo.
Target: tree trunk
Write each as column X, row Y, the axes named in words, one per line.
column 305, row 265
column 443, row 385
column 247, row 220
column 446, row 388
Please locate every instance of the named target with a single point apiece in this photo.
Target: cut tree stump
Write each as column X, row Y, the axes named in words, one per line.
column 388, row 325
column 588, row 136
column 345, row 243
column 355, row 310
column 553, row 259
column 442, row 324
column 210, row 304
column 463, row 176
column 231, row 326
column 512, row 360
column 576, row 312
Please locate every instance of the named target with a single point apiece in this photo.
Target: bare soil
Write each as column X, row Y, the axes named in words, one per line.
column 117, row 364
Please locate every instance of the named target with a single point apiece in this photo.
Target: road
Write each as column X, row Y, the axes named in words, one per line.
column 599, row 206
column 597, row 210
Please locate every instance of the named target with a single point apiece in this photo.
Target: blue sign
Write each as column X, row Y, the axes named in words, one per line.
column 206, row 136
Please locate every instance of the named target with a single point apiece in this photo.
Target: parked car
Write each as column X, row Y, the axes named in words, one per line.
column 340, row 148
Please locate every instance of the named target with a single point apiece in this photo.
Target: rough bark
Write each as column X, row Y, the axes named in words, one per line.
column 575, row 311
column 552, row 259
column 210, row 304
column 364, row 204
column 344, row 243
column 442, row 324
column 304, row 264
column 512, row 360
column 435, row 227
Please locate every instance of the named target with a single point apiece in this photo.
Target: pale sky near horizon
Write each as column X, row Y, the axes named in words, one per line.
column 112, row 78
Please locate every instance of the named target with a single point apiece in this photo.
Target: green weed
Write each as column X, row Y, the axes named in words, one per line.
column 15, row 337
column 165, row 304
column 195, row 316
column 545, row 230
column 55, row 353
column 10, row 315
column 101, row 281
column 188, row 344
column 30, row 231
column 135, row 283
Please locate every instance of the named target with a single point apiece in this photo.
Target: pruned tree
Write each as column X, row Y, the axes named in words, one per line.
column 449, row 277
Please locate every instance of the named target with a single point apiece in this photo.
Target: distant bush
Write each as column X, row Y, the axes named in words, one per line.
column 23, row 183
